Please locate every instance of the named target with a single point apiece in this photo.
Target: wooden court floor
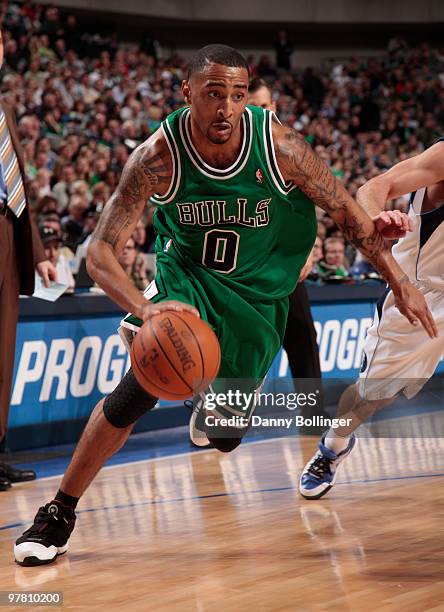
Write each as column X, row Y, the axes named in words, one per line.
column 212, row 532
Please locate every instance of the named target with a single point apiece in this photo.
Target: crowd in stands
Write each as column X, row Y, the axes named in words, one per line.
column 84, row 102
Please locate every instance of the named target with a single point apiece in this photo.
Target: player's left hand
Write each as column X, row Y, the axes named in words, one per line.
column 393, row 224
column 47, row 272
column 411, row 303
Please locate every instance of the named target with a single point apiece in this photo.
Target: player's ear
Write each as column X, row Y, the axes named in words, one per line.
column 186, row 91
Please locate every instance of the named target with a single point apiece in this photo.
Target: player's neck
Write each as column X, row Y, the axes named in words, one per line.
column 217, row 155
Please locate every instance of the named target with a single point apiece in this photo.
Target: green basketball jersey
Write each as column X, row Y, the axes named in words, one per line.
column 242, row 224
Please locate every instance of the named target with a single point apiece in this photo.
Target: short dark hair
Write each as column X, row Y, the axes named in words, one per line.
column 216, row 54
column 256, row 84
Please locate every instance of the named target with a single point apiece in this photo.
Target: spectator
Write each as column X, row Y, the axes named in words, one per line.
column 43, row 180
column 100, row 195
column 33, row 194
column 63, row 189
column 317, row 251
column 313, row 88
column 315, row 257
column 133, row 266
column 139, row 237
column 52, row 220
column 52, row 241
column 47, row 204
column 72, row 223
column 284, row 49
column 91, row 218
column 333, row 264
column 81, row 188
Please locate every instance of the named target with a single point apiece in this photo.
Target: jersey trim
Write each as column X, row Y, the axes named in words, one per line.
column 270, row 154
column 430, row 221
column 176, row 171
column 201, row 165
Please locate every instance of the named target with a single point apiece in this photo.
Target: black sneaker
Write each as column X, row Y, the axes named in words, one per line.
column 47, row 537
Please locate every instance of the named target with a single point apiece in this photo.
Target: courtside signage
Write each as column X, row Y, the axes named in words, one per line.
column 64, row 367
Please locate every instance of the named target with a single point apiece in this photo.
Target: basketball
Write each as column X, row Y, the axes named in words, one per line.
column 175, row 355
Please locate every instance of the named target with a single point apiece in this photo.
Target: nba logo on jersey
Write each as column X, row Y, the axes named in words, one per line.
column 259, row 176
column 167, row 246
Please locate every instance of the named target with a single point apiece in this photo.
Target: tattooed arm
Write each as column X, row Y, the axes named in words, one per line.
column 147, row 171
column 300, row 165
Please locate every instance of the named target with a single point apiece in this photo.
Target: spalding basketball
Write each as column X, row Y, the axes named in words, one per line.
column 175, row 355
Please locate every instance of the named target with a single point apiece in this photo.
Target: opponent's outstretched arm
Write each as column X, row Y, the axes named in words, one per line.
column 300, row 164
column 422, row 170
column 147, row 171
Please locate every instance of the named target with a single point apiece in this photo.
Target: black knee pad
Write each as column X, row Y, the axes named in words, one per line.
column 225, row 445
column 128, row 402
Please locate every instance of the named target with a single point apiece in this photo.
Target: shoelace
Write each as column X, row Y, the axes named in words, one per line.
column 320, row 466
column 191, row 405
column 42, row 519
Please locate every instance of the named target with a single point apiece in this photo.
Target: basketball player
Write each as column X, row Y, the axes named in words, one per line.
column 300, row 335
column 235, row 221
column 397, row 358
column 259, row 94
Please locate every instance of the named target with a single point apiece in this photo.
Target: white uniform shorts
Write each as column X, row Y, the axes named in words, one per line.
column 399, row 357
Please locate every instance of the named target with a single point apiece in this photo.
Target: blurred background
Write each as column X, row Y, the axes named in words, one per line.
column 363, row 82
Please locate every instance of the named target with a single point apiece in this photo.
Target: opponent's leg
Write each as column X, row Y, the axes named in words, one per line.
column 107, row 430
column 397, row 358
column 320, row 473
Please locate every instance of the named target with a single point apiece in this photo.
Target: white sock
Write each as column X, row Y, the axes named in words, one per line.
column 336, row 443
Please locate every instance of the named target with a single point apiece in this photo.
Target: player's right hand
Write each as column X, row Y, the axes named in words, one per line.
column 393, row 224
column 148, row 310
column 411, row 303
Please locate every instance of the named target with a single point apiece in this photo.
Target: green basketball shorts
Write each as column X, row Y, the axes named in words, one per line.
column 250, row 334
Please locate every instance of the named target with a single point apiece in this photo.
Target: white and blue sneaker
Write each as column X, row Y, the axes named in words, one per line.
column 320, row 473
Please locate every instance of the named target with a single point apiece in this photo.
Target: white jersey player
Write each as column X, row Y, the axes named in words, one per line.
column 398, row 357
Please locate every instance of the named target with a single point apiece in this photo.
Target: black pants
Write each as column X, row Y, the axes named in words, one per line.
column 302, row 348
column 300, row 337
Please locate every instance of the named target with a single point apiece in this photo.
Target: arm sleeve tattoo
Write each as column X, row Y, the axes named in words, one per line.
column 144, row 174
column 309, row 172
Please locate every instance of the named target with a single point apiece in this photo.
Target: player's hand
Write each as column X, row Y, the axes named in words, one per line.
column 148, row 310
column 393, row 224
column 47, row 272
column 411, row 303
